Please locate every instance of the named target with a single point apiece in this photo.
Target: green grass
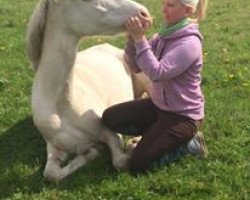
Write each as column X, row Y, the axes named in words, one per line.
column 224, row 175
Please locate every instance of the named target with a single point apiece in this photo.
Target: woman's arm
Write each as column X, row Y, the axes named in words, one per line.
column 136, row 29
column 173, row 63
column 130, row 52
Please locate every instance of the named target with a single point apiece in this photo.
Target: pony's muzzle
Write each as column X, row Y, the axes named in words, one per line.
column 144, row 13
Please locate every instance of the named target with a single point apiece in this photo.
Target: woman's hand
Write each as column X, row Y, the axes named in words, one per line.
column 137, row 27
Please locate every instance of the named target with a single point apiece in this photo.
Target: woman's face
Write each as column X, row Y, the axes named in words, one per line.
column 174, row 11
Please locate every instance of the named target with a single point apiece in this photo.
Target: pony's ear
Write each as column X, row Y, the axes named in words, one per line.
column 35, row 32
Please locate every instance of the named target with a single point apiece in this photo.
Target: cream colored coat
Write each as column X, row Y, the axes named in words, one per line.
column 71, row 90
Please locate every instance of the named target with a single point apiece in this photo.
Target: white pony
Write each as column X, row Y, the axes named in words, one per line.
column 70, row 89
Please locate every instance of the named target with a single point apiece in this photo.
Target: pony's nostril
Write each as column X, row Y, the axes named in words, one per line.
column 145, row 14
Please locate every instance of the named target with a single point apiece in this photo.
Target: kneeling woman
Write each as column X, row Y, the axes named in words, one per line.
column 172, row 60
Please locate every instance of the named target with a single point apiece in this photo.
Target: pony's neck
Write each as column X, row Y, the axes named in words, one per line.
column 58, row 56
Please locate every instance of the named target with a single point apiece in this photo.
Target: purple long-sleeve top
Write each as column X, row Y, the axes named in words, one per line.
column 174, row 64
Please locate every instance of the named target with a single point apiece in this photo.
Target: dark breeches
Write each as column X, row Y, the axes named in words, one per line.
column 161, row 131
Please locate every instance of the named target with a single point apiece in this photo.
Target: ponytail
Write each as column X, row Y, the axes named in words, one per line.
column 199, row 6
column 200, row 11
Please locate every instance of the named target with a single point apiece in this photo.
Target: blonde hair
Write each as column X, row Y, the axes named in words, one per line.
column 200, row 7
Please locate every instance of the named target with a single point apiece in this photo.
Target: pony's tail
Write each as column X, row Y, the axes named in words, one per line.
column 35, row 33
column 200, row 12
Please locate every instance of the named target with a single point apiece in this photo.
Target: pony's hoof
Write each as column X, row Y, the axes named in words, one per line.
column 93, row 153
column 129, row 148
column 131, row 144
column 52, row 175
column 134, row 140
column 121, row 163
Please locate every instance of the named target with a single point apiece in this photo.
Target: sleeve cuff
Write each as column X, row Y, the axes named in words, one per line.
column 141, row 47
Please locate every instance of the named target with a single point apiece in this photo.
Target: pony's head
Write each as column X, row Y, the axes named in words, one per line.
column 78, row 17
column 99, row 17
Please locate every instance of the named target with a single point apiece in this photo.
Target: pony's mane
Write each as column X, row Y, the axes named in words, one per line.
column 35, row 33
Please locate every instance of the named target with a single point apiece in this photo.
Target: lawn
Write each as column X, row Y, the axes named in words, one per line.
column 223, row 175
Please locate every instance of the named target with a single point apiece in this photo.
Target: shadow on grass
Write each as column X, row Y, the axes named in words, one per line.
column 22, row 161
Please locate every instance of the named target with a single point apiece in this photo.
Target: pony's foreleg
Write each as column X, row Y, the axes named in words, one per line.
column 79, row 161
column 119, row 157
column 54, row 171
column 55, row 157
column 141, row 85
